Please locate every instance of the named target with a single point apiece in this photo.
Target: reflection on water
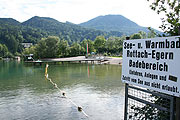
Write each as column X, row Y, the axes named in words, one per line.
column 25, row 94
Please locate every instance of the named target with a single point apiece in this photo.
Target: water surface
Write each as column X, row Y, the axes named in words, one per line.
column 26, row 95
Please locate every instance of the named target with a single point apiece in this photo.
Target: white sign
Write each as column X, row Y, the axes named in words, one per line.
column 153, row 63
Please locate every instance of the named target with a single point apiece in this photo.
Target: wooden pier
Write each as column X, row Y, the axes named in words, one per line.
column 79, row 59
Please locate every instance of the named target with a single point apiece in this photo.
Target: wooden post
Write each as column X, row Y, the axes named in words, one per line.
column 126, row 96
column 177, row 98
column 177, row 108
column 126, row 102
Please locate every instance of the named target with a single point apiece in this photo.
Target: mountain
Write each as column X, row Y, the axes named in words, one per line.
column 67, row 31
column 114, row 23
column 9, row 21
column 13, row 33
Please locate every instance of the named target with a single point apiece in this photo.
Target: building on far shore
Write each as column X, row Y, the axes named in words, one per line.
column 28, row 57
column 26, row 45
column 18, row 58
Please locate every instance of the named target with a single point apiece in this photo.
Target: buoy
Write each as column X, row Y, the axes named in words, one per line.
column 46, row 70
column 79, row 108
column 55, row 85
column 63, row 93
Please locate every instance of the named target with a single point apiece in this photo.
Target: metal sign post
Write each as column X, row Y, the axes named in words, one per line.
column 178, row 99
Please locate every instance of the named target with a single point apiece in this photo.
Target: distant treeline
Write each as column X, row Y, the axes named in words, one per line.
column 13, row 33
column 52, row 46
column 48, row 44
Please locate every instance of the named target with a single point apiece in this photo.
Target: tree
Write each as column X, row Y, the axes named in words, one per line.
column 143, row 34
column 31, row 50
column 171, row 9
column 48, row 47
column 75, row 49
column 110, row 45
column 3, row 50
column 52, row 46
column 151, row 33
column 12, row 43
column 136, row 36
column 63, row 48
column 99, row 44
column 119, row 44
column 90, row 46
column 41, row 49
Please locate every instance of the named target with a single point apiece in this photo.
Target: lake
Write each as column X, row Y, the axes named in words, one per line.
column 25, row 94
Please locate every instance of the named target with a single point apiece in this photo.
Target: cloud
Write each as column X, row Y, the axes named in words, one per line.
column 78, row 11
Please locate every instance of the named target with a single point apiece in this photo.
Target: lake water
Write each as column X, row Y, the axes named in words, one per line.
column 26, row 95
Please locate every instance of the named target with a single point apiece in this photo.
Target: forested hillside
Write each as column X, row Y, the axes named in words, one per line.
column 114, row 23
column 12, row 32
column 66, row 31
column 9, row 21
column 69, row 35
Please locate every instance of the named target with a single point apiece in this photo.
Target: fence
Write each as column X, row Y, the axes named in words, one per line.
column 143, row 104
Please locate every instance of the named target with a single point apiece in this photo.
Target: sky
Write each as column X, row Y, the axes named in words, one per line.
column 78, row 11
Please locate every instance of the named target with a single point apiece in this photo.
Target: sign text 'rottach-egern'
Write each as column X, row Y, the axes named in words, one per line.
column 153, row 64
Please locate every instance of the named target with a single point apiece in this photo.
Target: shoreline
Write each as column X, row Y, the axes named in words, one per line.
column 115, row 61
column 99, row 60
column 110, row 60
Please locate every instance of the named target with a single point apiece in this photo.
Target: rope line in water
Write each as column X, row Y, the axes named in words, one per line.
column 62, row 92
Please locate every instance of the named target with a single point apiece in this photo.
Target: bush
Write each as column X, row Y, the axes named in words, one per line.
column 105, row 54
column 9, row 55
